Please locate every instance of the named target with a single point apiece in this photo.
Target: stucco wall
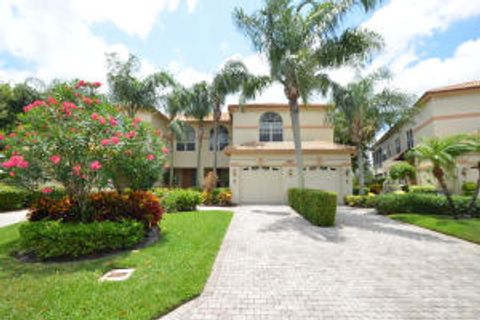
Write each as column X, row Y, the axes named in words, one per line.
column 312, row 121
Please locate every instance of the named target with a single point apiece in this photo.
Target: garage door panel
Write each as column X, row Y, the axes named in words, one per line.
column 261, row 184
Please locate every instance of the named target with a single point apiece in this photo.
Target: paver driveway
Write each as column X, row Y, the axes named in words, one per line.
column 275, row 265
column 8, row 218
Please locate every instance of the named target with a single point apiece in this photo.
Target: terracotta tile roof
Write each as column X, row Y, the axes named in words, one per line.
column 288, row 147
column 225, row 117
column 234, row 107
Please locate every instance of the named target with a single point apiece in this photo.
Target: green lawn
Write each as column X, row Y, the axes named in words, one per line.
column 467, row 229
column 167, row 274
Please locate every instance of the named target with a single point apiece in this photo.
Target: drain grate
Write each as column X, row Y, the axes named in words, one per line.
column 117, row 275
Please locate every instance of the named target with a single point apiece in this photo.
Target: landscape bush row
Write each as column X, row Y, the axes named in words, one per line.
column 178, row 200
column 414, row 202
column 317, row 206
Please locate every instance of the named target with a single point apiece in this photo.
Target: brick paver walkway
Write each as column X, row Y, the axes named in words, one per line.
column 275, row 265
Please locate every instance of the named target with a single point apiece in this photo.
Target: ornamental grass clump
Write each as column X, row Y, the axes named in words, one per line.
column 74, row 137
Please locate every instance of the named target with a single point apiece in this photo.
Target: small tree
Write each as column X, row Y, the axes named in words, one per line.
column 402, row 171
column 83, row 143
column 442, row 153
column 474, row 143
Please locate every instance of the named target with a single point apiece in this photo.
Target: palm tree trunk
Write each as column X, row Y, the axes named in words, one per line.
column 199, row 153
column 361, row 171
column 471, row 206
column 294, row 114
column 440, row 176
column 171, row 169
column 216, row 119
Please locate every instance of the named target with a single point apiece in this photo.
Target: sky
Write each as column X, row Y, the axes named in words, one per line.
column 428, row 43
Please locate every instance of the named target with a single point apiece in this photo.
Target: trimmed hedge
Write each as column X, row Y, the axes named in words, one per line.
column 423, row 189
column 422, row 203
column 53, row 239
column 317, row 206
column 177, row 200
column 12, row 198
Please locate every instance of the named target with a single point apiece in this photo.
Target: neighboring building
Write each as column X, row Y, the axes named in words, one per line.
column 258, row 160
column 442, row 112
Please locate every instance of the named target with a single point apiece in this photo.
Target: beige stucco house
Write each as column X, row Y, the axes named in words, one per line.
column 256, row 158
column 442, row 112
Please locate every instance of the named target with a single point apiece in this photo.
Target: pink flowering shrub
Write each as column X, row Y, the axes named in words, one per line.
column 82, row 142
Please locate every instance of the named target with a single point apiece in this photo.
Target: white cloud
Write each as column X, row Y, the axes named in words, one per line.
column 54, row 39
column 191, row 4
column 405, row 24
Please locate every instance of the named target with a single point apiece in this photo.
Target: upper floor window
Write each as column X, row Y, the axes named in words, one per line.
column 410, row 141
column 271, row 127
column 398, row 145
column 186, row 140
column 222, row 138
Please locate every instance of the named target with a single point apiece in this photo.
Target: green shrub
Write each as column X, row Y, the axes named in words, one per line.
column 317, row 206
column 217, row 197
column 12, row 198
column 423, row 189
column 177, row 200
column 53, row 239
column 469, row 188
column 422, row 203
column 356, row 190
column 367, row 201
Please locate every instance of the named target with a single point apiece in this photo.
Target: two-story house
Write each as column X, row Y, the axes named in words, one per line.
column 441, row 112
column 257, row 155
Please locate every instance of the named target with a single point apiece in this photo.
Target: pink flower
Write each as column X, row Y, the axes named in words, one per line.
column 165, row 150
column 47, row 190
column 87, row 100
column 115, row 140
column 2, row 137
column 113, row 121
column 136, row 120
column 55, row 159
column 94, row 116
column 97, row 101
column 11, row 174
column 52, row 100
column 150, row 157
column 33, row 105
column 8, row 164
column 76, row 170
column 80, row 83
column 22, row 164
column 105, row 142
column 97, row 84
column 130, row 134
column 96, row 165
column 101, row 120
column 12, row 135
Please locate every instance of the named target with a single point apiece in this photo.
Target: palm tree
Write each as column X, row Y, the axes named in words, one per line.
column 301, row 40
column 360, row 113
column 132, row 93
column 174, row 105
column 198, row 106
column 442, row 153
column 233, row 78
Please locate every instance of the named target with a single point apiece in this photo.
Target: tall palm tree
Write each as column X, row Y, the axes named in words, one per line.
column 360, row 113
column 198, row 106
column 132, row 93
column 174, row 105
column 233, row 78
column 442, row 153
column 301, row 40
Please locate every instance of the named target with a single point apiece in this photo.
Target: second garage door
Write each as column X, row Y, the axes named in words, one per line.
column 261, row 185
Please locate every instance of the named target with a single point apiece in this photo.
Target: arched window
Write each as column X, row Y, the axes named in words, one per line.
column 271, row 127
column 222, row 138
column 186, row 140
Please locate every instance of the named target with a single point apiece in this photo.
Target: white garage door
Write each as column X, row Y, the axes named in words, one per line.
column 323, row 178
column 261, row 185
